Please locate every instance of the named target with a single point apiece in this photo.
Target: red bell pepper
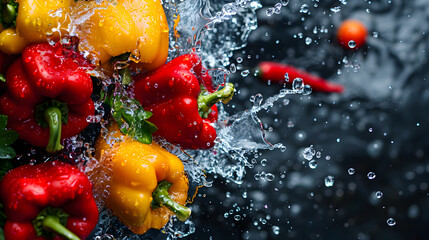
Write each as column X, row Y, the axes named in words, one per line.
column 275, row 72
column 47, row 87
column 182, row 113
column 48, row 200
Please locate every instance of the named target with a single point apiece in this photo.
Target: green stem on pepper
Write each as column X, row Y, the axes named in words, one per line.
column 8, row 13
column 51, row 222
column 162, row 198
column 53, row 119
column 205, row 102
column 52, row 114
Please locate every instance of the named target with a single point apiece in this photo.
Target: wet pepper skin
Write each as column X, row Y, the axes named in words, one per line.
column 27, row 190
column 171, row 93
column 46, row 72
column 109, row 29
column 124, row 27
column 136, row 169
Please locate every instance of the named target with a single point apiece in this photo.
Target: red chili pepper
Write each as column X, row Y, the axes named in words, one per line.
column 275, row 72
column 47, row 200
column 47, row 87
column 180, row 111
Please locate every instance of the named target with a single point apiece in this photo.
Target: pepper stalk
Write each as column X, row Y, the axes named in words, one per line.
column 51, row 222
column 52, row 114
column 162, row 198
column 205, row 102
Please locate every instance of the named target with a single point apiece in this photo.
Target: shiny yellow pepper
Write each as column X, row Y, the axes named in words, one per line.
column 106, row 29
column 147, row 183
column 138, row 27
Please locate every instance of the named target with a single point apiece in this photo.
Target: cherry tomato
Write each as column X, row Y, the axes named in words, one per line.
column 352, row 34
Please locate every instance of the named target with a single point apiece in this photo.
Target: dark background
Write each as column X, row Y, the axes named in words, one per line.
column 381, row 122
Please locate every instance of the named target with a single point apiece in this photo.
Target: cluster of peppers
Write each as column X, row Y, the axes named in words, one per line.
column 46, row 96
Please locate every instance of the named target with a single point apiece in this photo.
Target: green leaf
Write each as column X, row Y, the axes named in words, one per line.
column 7, row 153
column 3, row 122
column 1, row 234
column 5, row 166
column 8, row 137
column 131, row 118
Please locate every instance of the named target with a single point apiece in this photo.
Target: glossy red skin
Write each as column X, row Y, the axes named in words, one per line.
column 275, row 72
column 5, row 62
column 352, row 30
column 171, row 93
column 44, row 73
column 27, row 190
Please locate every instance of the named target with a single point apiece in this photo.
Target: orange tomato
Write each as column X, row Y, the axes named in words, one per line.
column 352, row 34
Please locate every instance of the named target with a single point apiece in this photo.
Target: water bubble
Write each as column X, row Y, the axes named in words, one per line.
column 269, row 12
column 298, row 84
column 237, row 217
column 284, row 2
column 245, row 73
column 276, row 230
column 232, row 68
column 379, row 194
column 351, row 171
column 313, row 164
column 352, row 44
column 257, row 99
column 371, row 175
column 307, row 90
column 336, row 9
column 308, row 40
column 329, row 181
column 391, row 222
column 304, row 8
column 287, row 77
column 277, row 8
column 264, row 162
column 239, row 60
column 309, row 153
column 269, row 177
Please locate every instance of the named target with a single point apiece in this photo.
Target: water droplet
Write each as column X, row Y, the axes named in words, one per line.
column 371, row 175
column 351, row 171
column 264, row 162
column 269, row 12
column 287, row 77
column 277, row 8
column 304, row 8
column 239, row 60
column 352, row 44
column 276, row 230
column 391, row 222
column 379, row 194
column 307, row 90
column 308, row 40
column 313, row 164
column 269, row 177
column 232, row 68
column 336, row 9
column 237, row 217
column 309, row 153
column 284, row 2
column 298, row 84
column 329, row 181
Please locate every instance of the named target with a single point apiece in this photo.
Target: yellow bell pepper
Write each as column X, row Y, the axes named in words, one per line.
column 37, row 19
column 147, row 183
column 106, row 29
column 138, row 27
column 11, row 42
